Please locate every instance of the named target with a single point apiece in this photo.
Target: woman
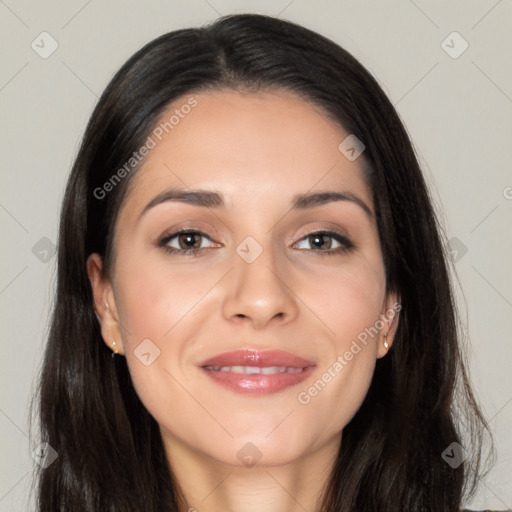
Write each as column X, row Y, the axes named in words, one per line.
column 247, row 230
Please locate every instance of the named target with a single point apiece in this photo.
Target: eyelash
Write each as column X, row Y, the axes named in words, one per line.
column 347, row 244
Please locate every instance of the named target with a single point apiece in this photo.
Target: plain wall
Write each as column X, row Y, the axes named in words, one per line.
column 458, row 112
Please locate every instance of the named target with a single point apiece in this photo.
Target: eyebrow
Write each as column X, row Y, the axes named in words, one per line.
column 212, row 199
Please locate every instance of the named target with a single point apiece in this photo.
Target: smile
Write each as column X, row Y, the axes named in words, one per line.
column 250, row 370
column 257, row 372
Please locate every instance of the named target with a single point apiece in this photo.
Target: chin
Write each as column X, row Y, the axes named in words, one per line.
column 259, row 452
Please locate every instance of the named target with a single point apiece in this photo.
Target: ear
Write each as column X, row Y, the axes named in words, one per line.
column 104, row 304
column 390, row 318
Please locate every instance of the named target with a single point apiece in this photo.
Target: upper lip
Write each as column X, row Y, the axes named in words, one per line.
column 250, row 357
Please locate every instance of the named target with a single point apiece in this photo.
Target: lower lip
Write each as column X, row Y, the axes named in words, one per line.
column 258, row 383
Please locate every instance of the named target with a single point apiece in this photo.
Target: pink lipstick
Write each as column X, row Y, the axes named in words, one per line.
column 252, row 371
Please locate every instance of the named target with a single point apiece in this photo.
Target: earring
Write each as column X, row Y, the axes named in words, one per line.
column 114, row 351
column 386, row 344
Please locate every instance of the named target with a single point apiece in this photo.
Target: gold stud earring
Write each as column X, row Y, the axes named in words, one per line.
column 114, row 350
column 386, row 344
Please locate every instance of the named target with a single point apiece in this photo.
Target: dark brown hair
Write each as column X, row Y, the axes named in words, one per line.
column 110, row 453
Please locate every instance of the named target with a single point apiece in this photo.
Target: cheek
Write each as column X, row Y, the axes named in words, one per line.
column 156, row 309
column 349, row 300
column 154, row 297
column 349, row 305
column 157, row 305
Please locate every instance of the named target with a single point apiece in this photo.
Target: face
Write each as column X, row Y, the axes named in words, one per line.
column 252, row 333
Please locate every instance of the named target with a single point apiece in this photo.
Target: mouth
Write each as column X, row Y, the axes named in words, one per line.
column 256, row 372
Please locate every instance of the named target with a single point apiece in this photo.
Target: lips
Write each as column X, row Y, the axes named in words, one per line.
column 252, row 371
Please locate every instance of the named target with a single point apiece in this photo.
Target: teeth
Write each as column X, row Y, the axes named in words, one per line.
column 249, row 370
column 267, row 370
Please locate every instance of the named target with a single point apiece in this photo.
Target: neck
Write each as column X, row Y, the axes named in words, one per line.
column 210, row 485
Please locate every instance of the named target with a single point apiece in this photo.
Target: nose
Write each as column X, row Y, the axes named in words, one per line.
column 259, row 292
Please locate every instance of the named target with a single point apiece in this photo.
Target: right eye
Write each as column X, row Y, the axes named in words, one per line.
column 184, row 242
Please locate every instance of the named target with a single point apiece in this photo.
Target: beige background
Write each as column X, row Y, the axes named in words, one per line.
column 457, row 110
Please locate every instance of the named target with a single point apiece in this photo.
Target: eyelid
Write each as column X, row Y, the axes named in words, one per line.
column 189, row 226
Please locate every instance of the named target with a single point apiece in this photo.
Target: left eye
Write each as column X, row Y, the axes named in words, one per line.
column 323, row 241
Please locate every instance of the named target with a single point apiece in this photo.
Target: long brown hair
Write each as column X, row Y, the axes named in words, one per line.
column 110, row 453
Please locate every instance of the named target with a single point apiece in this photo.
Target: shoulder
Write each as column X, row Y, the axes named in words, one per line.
column 486, row 510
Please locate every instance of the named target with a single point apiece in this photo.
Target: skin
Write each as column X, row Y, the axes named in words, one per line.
column 259, row 150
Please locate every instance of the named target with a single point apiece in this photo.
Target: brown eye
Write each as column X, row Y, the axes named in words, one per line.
column 320, row 241
column 189, row 241
column 184, row 242
column 326, row 242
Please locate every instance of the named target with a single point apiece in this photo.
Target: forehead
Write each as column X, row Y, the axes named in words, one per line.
column 253, row 147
